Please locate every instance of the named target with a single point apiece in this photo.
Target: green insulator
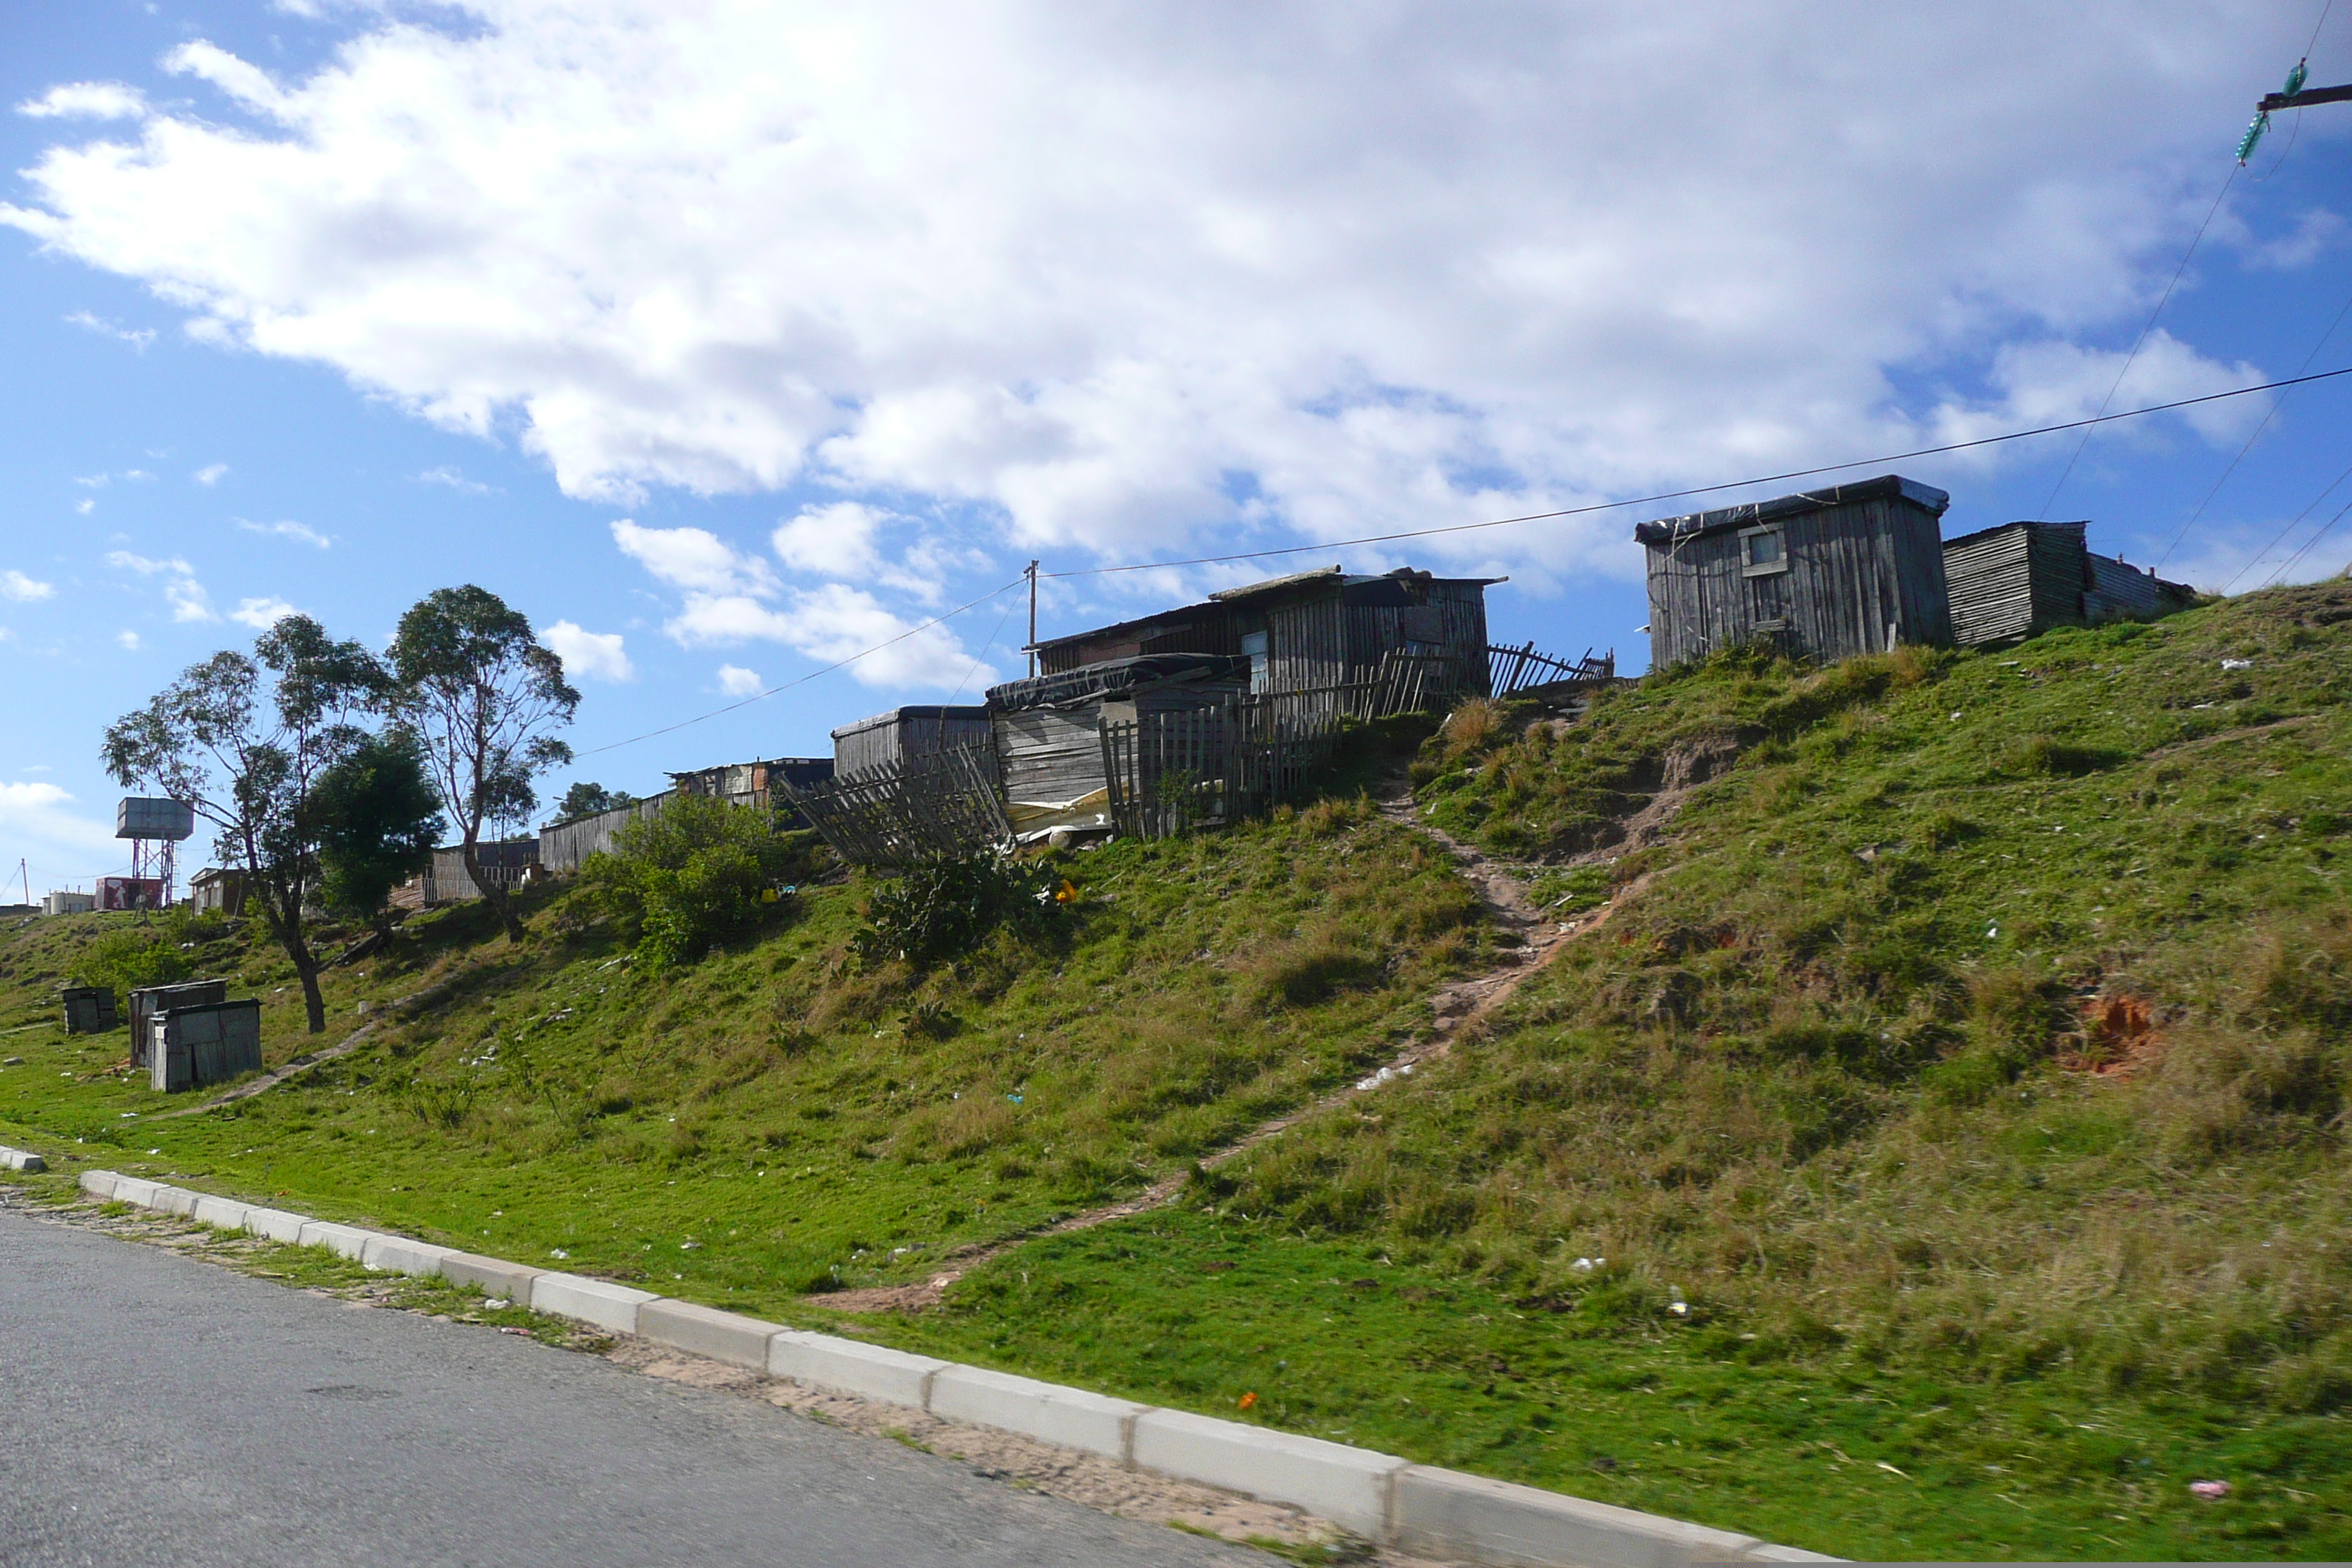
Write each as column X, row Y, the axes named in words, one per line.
column 2253, row 134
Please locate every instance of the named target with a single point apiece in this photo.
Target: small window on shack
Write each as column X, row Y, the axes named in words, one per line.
column 1254, row 644
column 1762, row 551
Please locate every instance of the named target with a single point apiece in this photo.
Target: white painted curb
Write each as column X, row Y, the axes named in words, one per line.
column 1392, row 1501
column 21, row 1159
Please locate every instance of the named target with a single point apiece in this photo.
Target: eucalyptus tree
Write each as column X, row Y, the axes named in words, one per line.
column 485, row 698
column 379, row 817
column 244, row 739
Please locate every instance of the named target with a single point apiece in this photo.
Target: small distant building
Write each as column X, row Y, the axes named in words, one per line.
column 1827, row 575
column 197, row 1045
column 63, row 903
column 217, row 891
column 150, row 1003
column 2022, row 579
column 131, row 892
column 904, row 733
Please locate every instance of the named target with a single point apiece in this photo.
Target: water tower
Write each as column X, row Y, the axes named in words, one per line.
column 154, row 827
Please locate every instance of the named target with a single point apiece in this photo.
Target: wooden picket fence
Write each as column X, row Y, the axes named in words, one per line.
column 1515, row 669
column 935, row 806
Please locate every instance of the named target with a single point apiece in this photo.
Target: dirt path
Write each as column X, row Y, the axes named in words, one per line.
column 270, row 1081
column 1530, row 939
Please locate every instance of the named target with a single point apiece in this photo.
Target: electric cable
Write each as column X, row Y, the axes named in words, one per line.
column 1652, row 500
column 2268, row 415
column 2141, row 341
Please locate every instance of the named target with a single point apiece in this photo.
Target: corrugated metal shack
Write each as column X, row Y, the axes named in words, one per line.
column 1825, row 574
column 1048, row 730
column 218, row 889
column 903, row 734
column 1308, row 631
column 2022, row 579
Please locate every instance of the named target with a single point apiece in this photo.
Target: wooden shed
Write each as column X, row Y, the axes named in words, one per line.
column 2022, row 579
column 905, row 733
column 1827, row 575
column 1048, row 729
column 1304, row 631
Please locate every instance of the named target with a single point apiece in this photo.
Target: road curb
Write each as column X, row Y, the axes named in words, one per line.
column 1392, row 1501
column 21, row 1159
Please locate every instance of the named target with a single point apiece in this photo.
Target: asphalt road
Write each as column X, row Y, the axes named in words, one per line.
column 155, row 1409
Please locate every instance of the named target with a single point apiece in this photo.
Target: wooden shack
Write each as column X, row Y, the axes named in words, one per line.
column 1048, row 729
column 89, row 1009
column 209, row 1043
column 1827, row 575
column 904, row 733
column 2022, row 579
column 1307, row 631
column 507, row 863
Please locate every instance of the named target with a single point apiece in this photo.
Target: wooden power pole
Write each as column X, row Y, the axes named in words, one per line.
column 2294, row 96
column 1032, row 618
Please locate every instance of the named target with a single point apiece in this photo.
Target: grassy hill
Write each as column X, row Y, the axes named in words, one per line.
column 1935, row 1152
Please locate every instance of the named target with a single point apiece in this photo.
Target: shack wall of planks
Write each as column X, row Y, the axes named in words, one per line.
column 1827, row 575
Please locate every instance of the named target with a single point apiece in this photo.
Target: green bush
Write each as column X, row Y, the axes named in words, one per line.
column 944, row 909
column 129, row 958
column 691, row 874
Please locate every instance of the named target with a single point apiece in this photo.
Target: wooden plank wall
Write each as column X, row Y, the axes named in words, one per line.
column 1853, row 572
column 938, row 805
column 563, row 848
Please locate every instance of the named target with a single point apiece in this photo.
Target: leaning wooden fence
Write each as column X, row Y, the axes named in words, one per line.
column 932, row 806
column 1513, row 669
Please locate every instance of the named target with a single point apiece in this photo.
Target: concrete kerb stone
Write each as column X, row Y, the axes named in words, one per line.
column 1065, row 1417
column 21, row 1159
column 707, row 1331
column 493, row 1277
column 343, row 1240
column 219, row 1212
column 398, row 1254
column 1350, row 1486
column 846, row 1366
column 275, row 1225
column 1499, row 1522
column 1380, row 1497
column 597, row 1301
column 174, row 1201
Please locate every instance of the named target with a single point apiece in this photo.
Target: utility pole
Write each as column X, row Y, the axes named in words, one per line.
column 1032, row 618
column 2294, row 96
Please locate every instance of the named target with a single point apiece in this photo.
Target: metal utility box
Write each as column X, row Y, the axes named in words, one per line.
column 149, row 1001
column 138, row 817
column 190, row 1047
column 89, row 1009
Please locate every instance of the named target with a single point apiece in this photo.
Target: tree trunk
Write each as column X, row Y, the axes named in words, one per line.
column 298, row 953
column 501, row 905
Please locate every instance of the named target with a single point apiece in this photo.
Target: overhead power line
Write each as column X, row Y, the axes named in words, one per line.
column 1653, row 499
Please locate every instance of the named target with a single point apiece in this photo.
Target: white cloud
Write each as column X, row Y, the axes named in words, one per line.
column 14, row 585
column 293, row 531
column 138, row 477
column 37, row 822
column 694, row 559
column 148, row 566
column 259, row 614
column 2316, row 232
column 737, row 681
column 85, row 506
column 187, row 596
column 450, row 477
column 1115, row 277
column 595, row 655
column 731, row 597
column 87, row 100
column 128, row 640
column 210, row 474
column 137, row 337
column 92, row 481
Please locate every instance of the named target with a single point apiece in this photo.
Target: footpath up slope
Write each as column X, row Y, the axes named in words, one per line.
column 1935, row 1153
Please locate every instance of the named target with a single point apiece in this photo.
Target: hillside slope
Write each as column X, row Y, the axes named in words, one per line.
column 1928, row 1144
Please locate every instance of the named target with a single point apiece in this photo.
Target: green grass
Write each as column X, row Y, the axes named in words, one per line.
column 1823, row 1077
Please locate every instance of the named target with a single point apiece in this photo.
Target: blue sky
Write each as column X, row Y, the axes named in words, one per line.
column 726, row 340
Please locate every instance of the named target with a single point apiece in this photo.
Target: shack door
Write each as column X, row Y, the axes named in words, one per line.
column 1764, row 578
